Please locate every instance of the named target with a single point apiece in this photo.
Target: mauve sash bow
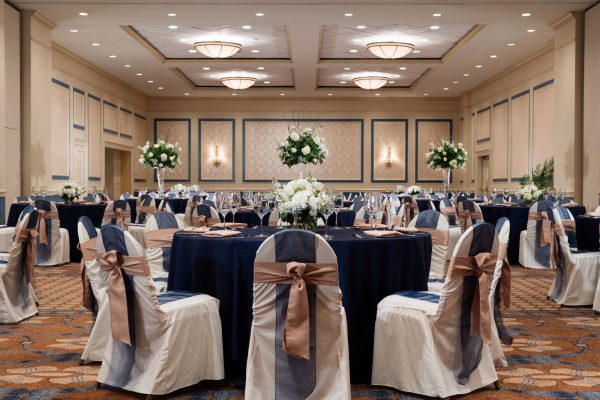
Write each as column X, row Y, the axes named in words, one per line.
column 296, row 331
column 547, row 227
column 448, row 210
column 42, row 216
column 149, row 210
column 468, row 216
column 202, row 220
column 160, row 238
column 482, row 266
column 116, row 266
column 438, row 236
column 119, row 215
column 88, row 250
column 27, row 236
column 409, row 213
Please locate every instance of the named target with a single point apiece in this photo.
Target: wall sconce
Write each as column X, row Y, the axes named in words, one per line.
column 216, row 158
column 389, row 158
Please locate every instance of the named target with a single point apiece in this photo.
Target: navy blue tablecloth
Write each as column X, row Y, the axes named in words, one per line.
column 369, row 270
column 177, row 205
column 577, row 210
column 587, row 230
column 68, row 215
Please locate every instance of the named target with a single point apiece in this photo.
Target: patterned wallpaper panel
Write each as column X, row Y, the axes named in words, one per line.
column 392, row 135
column 176, row 130
column 95, row 139
column 216, row 134
column 482, row 129
column 427, row 131
column 78, row 109
column 519, row 136
column 111, row 118
column 344, row 138
column 60, row 130
column 126, row 123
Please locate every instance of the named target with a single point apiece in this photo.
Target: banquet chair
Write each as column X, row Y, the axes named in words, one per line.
column 597, row 210
column 577, row 279
column 164, row 343
column 53, row 245
column 145, row 208
column 125, row 196
column 422, row 196
column 565, row 200
column 164, row 206
column 469, row 213
column 274, row 217
column 117, row 213
column 203, row 215
column 193, row 202
column 17, row 297
column 7, row 232
column 425, row 342
column 536, row 243
column 568, row 222
column 357, row 203
column 449, row 211
column 171, row 194
column 394, row 200
column 90, row 198
column 22, row 199
column 436, row 225
column 512, row 198
column 460, row 198
column 93, row 278
column 154, row 195
column 408, row 210
column 159, row 232
column 482, row 198
column 103, row 197
column 210, row 203
column 299, row 341
column 498, row 199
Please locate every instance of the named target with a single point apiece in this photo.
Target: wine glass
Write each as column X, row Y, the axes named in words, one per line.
column 223, row 205
column 247, row 195
column 372, row 206
column 338, row 204
column 262, row 205
column 327, row 210
column 235, row 203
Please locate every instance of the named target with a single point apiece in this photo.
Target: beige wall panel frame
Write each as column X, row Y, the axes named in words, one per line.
column 216, row 134
column 426, row 132
column 176, row 131
column 95, row 138
column 60, row 131
column 519, row 135
column 392, row 134
column 543, row 122
column 500, row 125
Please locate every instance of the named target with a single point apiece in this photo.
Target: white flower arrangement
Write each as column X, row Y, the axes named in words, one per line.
column 70, row 191
column 399, row 189
column 413, row 190
column 194, row 189
column 305, row 147
column 530, row 193
column 448, row 155
column 304, row 197
column 160, row 155
column 180, row 189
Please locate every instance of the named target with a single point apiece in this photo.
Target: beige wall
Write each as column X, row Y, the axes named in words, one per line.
column 508, row 119
column 366, row 110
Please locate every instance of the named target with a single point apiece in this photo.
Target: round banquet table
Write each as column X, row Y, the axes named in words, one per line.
column 369, row 269
column 177, row 205
column 68, row 214
column 588, row 232
column 251, row 219
column 518, row 216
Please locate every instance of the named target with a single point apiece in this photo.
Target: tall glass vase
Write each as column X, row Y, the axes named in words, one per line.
column 160, row 178
column 447, row 175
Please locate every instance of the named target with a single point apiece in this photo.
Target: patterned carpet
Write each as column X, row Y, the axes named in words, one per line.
column 555, row 353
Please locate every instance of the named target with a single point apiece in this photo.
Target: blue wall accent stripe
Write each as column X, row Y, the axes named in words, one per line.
column 91, row 96
column 373, row 121
column 543, row 85
column 80, row 127
column 139, row 180
column 60, row 177
column 500, row 103
column 110, row 131
column 189, row 155
column 60, row 83
column 500, row 180
column 126, row 136
column 232, row 120
column 108, row 103
column 78, row 91
column 93, row 178
column 523, row 93
column 488, row 108
column 125, row 110
column 139, row 116
column 487, row 139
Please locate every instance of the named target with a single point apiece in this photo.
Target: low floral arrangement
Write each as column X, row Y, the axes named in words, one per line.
column 399, row 189
column 305, row 147
column 160, row 155
column 413, row 190
column 70, row 191
column 448, row 155
column 194, row 189
column 180, row 189
column 303, row 198
column 529, row 194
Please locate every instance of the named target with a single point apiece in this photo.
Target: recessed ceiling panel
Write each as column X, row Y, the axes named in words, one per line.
column 270, row 76
column 338, row 77
column 258, row 42
column 350, row 42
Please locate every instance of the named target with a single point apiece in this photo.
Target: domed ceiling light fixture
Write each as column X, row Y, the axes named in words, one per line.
column 370, row 82
column 390, row 50
column 216, row 49
column 238, row 82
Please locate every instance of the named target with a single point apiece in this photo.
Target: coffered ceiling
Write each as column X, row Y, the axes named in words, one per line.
column 303, row 48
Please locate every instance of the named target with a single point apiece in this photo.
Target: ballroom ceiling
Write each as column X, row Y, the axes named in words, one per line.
column 303, row 48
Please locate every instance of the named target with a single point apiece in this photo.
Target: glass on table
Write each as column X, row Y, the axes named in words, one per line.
column 235, row 203
column 327, row 211
column 338, row 204
column 372, row 207
column 262, row 205
column 223, row 204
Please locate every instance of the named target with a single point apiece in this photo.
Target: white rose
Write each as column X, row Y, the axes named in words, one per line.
column 294, row 136
column 453, row 163
column 169, row 146
column 306, row 130
column 151, row 154
column 305, row 150
column 445, row 159
column 163, row 157
column 145, row 148
column 160, row 165
column 317, row 140
column 172, row 158
column 443, row 152
column 460, row 144
column 294, row 150
column 156, row 146
column 527, row 196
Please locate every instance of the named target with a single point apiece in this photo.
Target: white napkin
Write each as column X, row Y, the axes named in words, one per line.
column 230, row 225
column 365, row 225
column 410, row 229
column 221, row 233
column 200, row 229
column 380, row 234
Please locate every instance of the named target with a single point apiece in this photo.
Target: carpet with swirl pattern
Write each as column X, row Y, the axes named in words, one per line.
column 555, row 352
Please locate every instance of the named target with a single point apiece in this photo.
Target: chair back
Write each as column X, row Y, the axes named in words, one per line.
column 171, row 194
column 274, row 217
column 540, row 239
column 158, row 234
column 357, row 203
column 48, row 240
column 22, row 199
column 90, row 198
column 94, row 280
column 193, row 202
column 568, row 222
column 498, row 199
column 154, row 195
column 280, row 312
column 437, row 226
column 125, row 196
column 204, row 214
column 474, row 267
column 469, row 214
column 513, row 198
column 146, row 207
column 449, row 211
column 563, row 258
column 117, row 213
column 164, row 206
column 408, row 210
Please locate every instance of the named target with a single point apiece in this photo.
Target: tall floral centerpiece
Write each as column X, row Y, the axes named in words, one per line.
column 160, row 156
column 530, row 193
column 446, row 157
column 70, row 191
column 303, row 146
column 300, row 201
column 414, row 190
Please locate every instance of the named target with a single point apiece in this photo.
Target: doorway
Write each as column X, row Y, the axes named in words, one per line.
column 483, row 174
column 118, row 172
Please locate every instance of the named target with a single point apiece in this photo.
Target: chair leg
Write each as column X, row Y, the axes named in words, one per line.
column 81, row 362
column 497, row 385
column 149, row 397
column 98, row 384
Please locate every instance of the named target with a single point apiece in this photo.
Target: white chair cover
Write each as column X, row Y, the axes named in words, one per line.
column 274, row 217
column 56, row 251
column 17, row 298
column 193, row 202
column 448, row 209
column 154, row 195
column 394, row 202
column 408, row 210
column 271, row 372
column 88, row 234
column 7, row 232
column 207, row 211
column 577, row 280
column 112, row 208
column 422, row 339
column 360, row 216
column 597, row 209
column 469, row 213
column 434, row 223
column 533, row 251
column 160, row 227
column 145, row 207
column 176, row 340
column 164, row 206
column 568, row 222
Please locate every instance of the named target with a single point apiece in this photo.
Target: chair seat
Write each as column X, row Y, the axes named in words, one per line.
column 6, row 234
column 62, row 249
column 427, row 302
column 435, row 285
column 173, row 295
column 581, row 282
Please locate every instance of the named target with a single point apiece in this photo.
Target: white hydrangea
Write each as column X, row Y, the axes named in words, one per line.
column 294, row 136
column 305, row 150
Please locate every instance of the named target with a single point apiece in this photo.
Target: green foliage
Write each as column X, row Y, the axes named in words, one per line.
column 302, row 147
column 542, row 176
